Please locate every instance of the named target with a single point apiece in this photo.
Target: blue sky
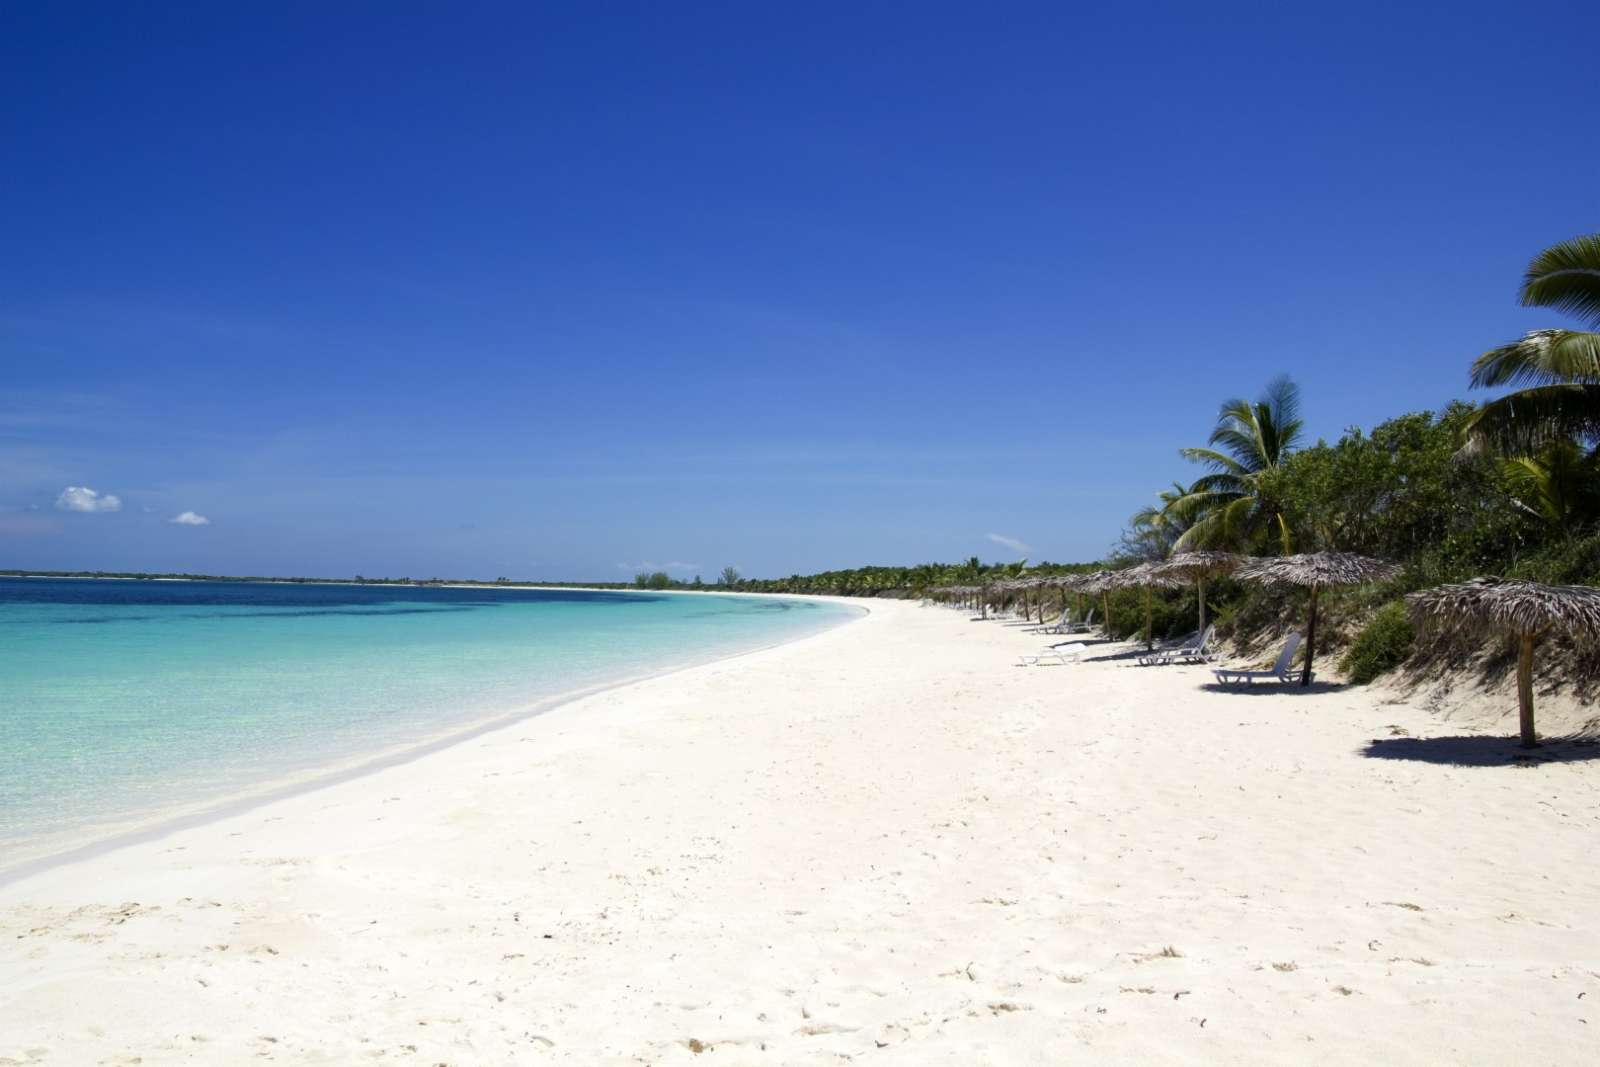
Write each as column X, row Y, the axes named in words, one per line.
column 537, row 290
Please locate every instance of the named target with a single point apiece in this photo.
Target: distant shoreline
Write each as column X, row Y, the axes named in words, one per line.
column 451, row 583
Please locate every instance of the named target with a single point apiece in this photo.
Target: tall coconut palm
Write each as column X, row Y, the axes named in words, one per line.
column 1559, row 368
column 1229, row 508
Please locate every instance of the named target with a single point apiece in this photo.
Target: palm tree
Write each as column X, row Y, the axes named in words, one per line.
column 1229, row 507
column 925, row 577
column 1153, row 530
column 1558, row 486
column 1559, row 368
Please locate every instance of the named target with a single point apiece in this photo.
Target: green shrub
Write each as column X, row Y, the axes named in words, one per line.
column 1382, row 645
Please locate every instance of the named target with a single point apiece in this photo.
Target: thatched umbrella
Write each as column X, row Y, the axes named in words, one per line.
column 1315, row 570
column 1525, row 610
column 1101, row 582
column 1068, row 583
column 1197, row 566
column 1147, row 576
column 1023, row 586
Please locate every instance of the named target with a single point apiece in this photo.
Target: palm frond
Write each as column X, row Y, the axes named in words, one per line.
column 1243, row 441
column 1219, row 485
column 1281, row 424
column 1566, row 277
column 1542, row 357
column 1207, row 532
column 1555, row 486
column 1528, row 420
column 1215, row 460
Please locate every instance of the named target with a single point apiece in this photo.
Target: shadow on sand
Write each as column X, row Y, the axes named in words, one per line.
column 1476, row 750
column 1127, row 655
column 1081, row 639
column 1271, row 687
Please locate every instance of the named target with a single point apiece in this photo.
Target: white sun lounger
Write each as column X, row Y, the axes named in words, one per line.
column 1195, row 651
column 1280, row 670
column 1054, row 656
column 1062, row 625
column 1084, row 625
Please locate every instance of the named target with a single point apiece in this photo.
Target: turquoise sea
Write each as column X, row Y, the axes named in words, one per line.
column 125, row 702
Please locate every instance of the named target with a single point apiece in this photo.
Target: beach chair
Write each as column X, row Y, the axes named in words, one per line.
column 1197, row 650
column 1082, row 626
column 1060, row 656
column 1280, row 670
column 1060, row 626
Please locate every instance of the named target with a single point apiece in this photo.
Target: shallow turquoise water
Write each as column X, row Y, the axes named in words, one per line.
column 124, row 701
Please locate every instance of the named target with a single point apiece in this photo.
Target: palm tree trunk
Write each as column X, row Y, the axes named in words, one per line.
column 1530, row 739
column 1311, row 639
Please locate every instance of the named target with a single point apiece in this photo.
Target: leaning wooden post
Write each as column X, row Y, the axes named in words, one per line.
column 1311, row 639
column 1530, row 739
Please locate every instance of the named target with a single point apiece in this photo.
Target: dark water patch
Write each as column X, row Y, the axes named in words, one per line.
column 290, row 613
column 109, row 593
column 97, row 620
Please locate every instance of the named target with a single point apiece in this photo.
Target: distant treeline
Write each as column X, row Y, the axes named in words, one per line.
column 859, row 581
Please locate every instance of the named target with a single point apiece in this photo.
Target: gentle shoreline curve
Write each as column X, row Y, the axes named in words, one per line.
column 883, row 840
column 98, row 841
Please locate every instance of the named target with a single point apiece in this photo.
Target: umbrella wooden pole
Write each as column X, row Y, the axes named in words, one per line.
column 1105, row 603
column 1311, row 639
column 1530, row 739
column 1149, row 622
column 1200, row 584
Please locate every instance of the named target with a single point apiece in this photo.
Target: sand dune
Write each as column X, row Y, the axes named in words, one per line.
column 887, row 844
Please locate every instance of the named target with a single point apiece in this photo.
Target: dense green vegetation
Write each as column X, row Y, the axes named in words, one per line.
column 1510, row 488
column 1382, row 645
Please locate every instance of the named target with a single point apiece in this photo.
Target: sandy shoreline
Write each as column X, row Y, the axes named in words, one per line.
column 89, row 842
column 880, row 842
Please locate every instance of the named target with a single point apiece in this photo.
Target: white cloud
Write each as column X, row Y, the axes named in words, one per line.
column 82, row 498
column 1010, row 542
column 189, row 518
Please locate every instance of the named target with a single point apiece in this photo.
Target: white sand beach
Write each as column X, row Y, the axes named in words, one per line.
column 883, row 844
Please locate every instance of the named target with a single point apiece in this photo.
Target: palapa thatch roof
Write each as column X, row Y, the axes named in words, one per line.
column 1508, row 605
column 1319, row 568
column 1144, row 574
column 1098, row 582
column 1201, row 563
